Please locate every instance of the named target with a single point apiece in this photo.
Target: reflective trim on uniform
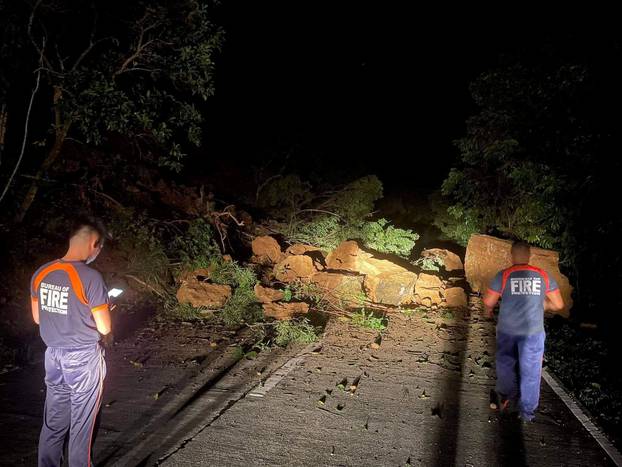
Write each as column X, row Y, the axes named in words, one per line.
column 524, row 267
column 98, row 403
column 103, row 307
column 76, row 282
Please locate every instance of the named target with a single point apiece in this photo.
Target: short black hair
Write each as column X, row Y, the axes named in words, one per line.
column 521, row 246
column 90, row 225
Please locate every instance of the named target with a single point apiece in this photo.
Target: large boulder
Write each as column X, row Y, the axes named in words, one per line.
column 455, row 297
column 267, row 295
column 284, row 311
column 451, row 261
column 487, row 255
column 201, row 275
column 313, row 252
column 346, row 257
column 392, row 285
column 340, row 290
column 295, row 268
column 428, row 297
column 428, row 290
column 385, row 282
column 266, row 250
column 300, row 249
column 428, row 281
column 203, row 294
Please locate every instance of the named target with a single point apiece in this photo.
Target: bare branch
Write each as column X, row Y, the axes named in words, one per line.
column 320, row 210
column 108, row 197
column 40, row 50
column 141, row 45
column 139, row 50
column 21, row 154
column 146, row 70
column 61, row 60
column 144, row 284
column 48, row 70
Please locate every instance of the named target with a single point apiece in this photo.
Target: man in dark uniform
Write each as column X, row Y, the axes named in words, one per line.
column 525, row 292
column 70, row 304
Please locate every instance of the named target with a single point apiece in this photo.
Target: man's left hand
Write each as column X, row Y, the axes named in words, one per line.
column 108, row 340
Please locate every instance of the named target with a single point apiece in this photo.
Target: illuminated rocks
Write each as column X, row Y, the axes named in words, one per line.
column 300, row 249
column 451, row 261
column 428, row 290
column 340, row 290
column 346, row 257
column 203, row 294
column 295, row 268
column 268, row 295
column 266, row 250
column 393, row 286
column 428, row 281
column 284, row 311
column 385, row 282
column 455, row 297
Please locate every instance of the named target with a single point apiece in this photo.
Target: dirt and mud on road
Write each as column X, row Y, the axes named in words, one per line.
column 419, row 398
column 161, row 366
column 418, row 394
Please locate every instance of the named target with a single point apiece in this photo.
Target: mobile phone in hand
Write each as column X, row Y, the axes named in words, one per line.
column 114, row 293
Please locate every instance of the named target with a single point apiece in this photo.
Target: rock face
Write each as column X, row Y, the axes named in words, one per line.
column 385, row 282
column 283, row 311
column 455, row 297
column 300, row 249
column 428, row 290
column 486, row 255
column 295, row 268
column 266, row 250
column 340, row 290
column 267, row 295
column 428, row 281
column 352, row 277
column 203, row 294
column 451, row 260
column 345, row 257
column 201, row 274
column 392, row 286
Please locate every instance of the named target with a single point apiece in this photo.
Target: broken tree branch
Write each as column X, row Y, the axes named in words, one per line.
column 144, row 284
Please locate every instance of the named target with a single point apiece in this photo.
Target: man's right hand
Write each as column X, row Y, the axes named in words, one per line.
column 553, row 301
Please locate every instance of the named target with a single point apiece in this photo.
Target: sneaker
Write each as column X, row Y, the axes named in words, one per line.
column 494, row 400
column 504, row 405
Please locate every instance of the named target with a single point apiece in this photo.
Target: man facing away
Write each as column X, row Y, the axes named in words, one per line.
column 70, row 303
column 525, row 292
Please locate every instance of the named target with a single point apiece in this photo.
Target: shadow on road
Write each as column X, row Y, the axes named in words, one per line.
column 448, row 407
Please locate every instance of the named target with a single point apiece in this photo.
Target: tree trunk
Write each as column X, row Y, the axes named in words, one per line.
column 61, row 130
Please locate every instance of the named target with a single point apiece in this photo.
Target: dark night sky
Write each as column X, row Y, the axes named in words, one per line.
column 382, row 87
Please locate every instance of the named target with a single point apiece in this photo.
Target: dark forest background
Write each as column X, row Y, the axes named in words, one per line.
column 500, row 122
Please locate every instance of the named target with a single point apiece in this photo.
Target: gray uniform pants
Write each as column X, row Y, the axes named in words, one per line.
column 74, row 380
